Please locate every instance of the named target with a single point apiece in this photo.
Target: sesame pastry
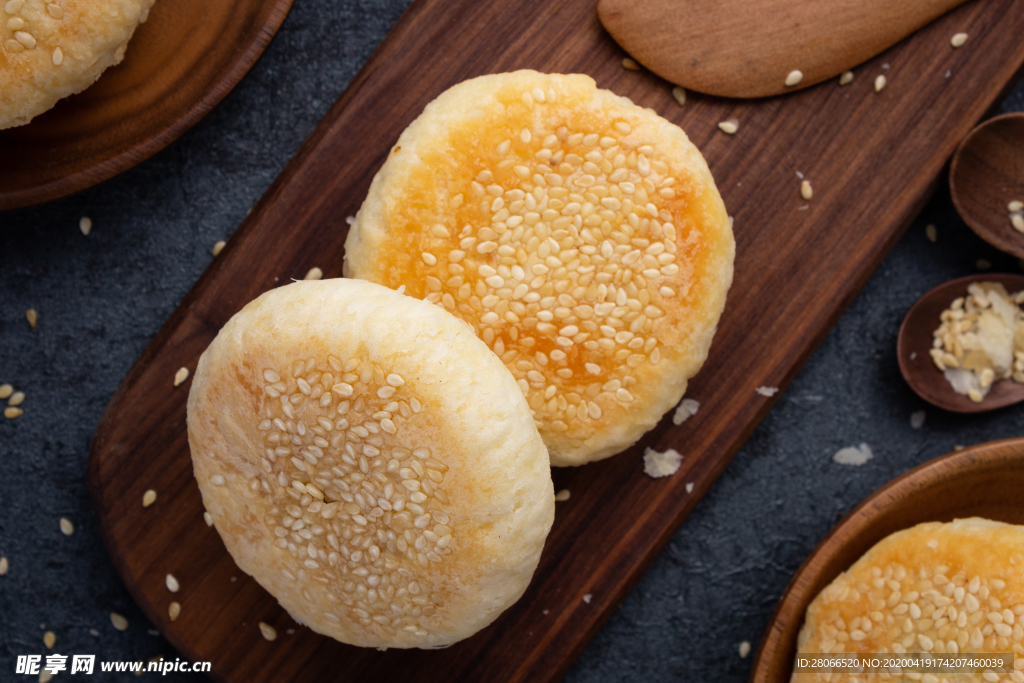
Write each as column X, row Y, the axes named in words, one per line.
column 948, row 589
column 50, row 49
column 581, row 236
column 370, row 463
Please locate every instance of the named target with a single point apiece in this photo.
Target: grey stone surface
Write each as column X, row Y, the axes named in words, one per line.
column 101, row 298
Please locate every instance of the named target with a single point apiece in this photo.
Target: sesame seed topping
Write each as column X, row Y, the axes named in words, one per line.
column 119, row 622
column 218, row 247
column 1015, row 206
column 630, row 65
column 217, row 480
column 679, row 94
column 931, row 233
column 880, row 82
column 314, row 274
column 13, row 6
column 1017, row 221
column 5, row 391
column 958, row 39
column 729, row 127
column 3, row 565
column 744, row 649
column 148, row 498
column 180, row 376
column 49, row 639
column 16, row 399
column 58, row 56
column 268, row 631
column 846, row 78
column 806, row 191
column 173, row 610
column 794, row 77
column 25, row 38
column 11, row 413
column 55, row 10
column 66, row 527
column 171, row 583
column 32, row 316
column 208, row 518
column 85, row 225
column 562, row 495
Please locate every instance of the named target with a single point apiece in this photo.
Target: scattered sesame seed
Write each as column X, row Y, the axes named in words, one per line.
column 17, row 398
column 45, row 676
column 314, row 274
column 94, row 633
column 148, row 498
column 562, row 495
column 806, row 191
column 975, row 395
column 679, row 93
column 173, row 610
column 931, row 233
column 880, row 82
column 958, row 39
column 689, row 487
column 57, row 57
column 729, row 127
column 172, row 583
column 794, row 77
column 268, row 631
column 32, row 316
column 119, row 622
column 85, row 225
column 630, row 65
column 917, row 419
column 66, row 527
column 217, row 480
column 5, row 391
column 180, row 376
column 11, row 413
column 1015, row 206
column 25, row 38
column 657, row 465
column 744, row 649
column 688, row 407
column 218, row 247
column 767, row 392
column 49, row 638
column 853, row 455
column 1017, row 221
column 3, row 566
column 846, row 78
column 208, row 518
column 982, row 264
column 588, row 597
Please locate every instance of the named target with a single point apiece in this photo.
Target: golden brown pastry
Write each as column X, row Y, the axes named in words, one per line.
column 370, row 462
column 941, row 588
column 581, row 236
column 50, row 49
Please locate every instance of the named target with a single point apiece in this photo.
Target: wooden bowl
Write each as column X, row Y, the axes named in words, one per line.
column 179, row 65
column 915, row 341
column 984, row 481
column 986, row 173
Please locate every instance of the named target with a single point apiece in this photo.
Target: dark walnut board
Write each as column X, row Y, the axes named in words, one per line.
column 873, row 159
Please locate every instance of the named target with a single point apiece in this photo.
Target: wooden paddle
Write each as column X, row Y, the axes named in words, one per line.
column 747, row 48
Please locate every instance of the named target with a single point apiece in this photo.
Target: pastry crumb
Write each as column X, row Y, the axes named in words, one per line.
column 657, row 465
column 588, row 597
column 853, row 455
column 917, row 419
column 689, row 487
column 562, row 495
column 767, row 392
column 687, row 409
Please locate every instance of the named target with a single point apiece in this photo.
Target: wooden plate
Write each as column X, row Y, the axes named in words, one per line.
column 982, row 481
column 182, row 62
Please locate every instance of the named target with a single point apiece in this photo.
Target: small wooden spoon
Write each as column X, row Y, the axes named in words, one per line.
column 747, row 48
column 915, row 342
column 987, row 172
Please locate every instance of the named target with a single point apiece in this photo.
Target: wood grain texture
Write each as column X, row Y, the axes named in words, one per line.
column 179, row 65
column 982, row 481
column 746, row 48
column 873, row 159
column 915, row 342
column 987, row 172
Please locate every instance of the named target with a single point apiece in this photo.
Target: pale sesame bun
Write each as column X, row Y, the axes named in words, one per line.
column 954, row 588
column 581, row 236
column 370, row 462
column 50, row 49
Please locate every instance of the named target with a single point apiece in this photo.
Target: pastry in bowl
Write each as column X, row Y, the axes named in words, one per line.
column 580, row 235
column 370, row 463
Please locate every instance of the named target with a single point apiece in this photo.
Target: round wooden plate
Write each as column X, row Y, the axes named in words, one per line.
column 985, row 481
column 182, row 62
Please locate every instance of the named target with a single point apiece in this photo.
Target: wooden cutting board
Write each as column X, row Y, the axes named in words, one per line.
column 872, row 158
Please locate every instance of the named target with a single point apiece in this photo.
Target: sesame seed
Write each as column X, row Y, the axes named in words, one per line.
column 314, row 274
column 11, row 413
column 15, row 23
column 3, row 565
column 931, row 233
column 217, row 480
column 680, row 94
column 1017, row 221
column 630, row 65
column 729, row 127
column 173, row 610
column 25, row 38
column 429, row 258
column 66, row 527
column 588, row 597
column 880, row 82
column 180, row 376
column 218, row 247
column 208, row 518
column 806, row 191
column 49, row 639
column 6, row 390
column 148, row 498
column 119, row 622
column 17, row 398
column 57, row 57
column 794, row 77
column 562, row 495
column 767, row 392
column 171, row 583
column 744, row 649
column 958, row 39
column 689, row 487
column 268, row 631
column 1015, row 206
column 32, row 316
column 13, row 6
column 846, row 78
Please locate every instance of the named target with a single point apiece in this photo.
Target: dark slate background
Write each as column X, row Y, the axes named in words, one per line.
column 101, row 298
